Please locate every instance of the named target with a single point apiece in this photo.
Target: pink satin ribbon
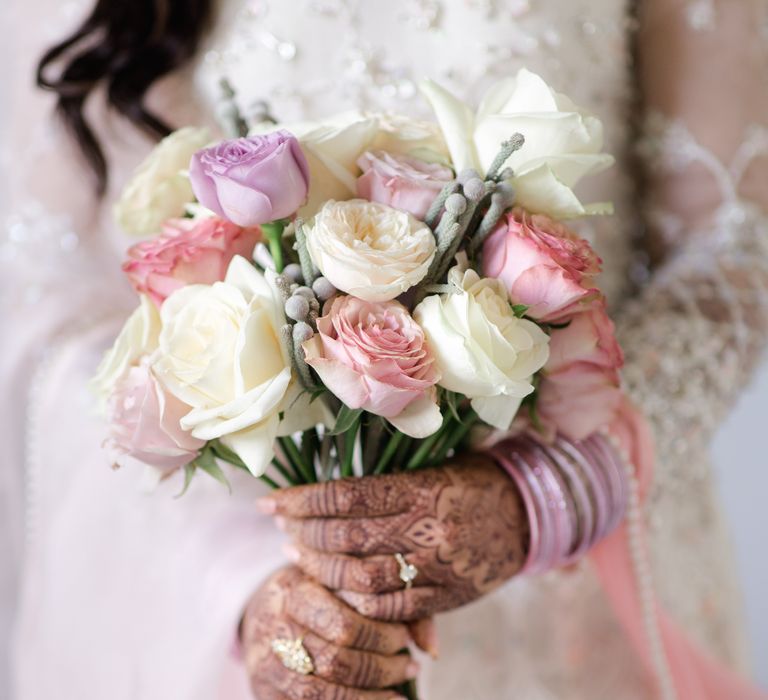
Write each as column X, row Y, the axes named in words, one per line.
column 694, row 674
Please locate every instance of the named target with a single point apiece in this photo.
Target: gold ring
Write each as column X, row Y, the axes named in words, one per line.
column 294, row 655
column 408, row 572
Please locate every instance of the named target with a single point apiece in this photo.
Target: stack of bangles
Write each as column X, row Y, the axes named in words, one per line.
column 575, row 493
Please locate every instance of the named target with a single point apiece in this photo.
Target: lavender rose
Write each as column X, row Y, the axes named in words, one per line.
column 253, row 180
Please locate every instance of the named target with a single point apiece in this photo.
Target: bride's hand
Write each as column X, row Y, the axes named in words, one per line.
column 348, row 651
column 463, row 526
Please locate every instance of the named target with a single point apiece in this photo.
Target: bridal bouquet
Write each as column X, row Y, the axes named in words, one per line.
column 352, row 297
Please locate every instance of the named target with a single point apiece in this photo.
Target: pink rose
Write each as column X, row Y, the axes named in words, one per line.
column 373, row 355
column 543, row 264
column 187, row 252
column 590, row 337
column 400, row 181
column 252, row 180
column 144, row 422
column 579, row 399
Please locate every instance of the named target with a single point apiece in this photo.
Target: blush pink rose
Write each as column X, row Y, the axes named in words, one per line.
column 543, row 264
column 579, row 399
column 144, row 424
column 400, row 181
column 189, row 251
column 373, row 355
column 590, row 337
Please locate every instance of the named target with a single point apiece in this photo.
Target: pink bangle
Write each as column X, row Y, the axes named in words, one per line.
column 597, row 486
column 560, row 503
column 574, row 493
column 611, row 462
column 546, row 548
column 582, row 501
column 530, row 508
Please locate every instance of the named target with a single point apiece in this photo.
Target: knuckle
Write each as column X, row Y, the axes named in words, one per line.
column 347, row 630
column 369, row 576
column 369, row 606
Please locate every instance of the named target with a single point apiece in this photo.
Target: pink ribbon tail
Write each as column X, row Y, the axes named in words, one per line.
column 691, row 673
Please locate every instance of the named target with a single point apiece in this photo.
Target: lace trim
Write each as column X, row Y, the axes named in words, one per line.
column 669, row 146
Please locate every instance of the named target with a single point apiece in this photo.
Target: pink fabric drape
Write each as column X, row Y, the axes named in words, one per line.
column 694, row 674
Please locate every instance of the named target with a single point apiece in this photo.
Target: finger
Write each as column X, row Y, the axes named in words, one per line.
column 321, row 612
column 370, row 496
column 400, row 606
column 347, row 536
column 298, row 687
column 359, row 669
column 264, row 691
column 375, row 574
column 424, row 635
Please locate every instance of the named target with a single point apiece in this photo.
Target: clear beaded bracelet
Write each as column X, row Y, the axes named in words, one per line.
column 575, row 493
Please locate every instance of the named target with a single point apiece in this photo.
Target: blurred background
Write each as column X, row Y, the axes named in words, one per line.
column 741, row 466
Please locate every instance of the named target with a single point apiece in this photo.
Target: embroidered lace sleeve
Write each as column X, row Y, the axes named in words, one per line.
column 698, row 329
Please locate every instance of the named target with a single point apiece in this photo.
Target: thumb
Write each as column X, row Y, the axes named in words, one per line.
column 424, row 634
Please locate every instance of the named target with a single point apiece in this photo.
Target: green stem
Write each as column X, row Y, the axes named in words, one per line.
column 297, row 462
column 389, row 452
column 274, row 234
column 290, row 478
column 419, row 457
column 269, row 482
column 374, row 430
column 349, row 449
column 469, row 419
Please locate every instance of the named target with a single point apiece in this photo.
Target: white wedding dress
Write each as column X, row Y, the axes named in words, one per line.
column 128, row 595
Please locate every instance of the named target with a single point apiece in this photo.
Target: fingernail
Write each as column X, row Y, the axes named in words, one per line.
column 280, row 523
column 292, row 553
column 266, row 505
column 412, row 670
column 432, row 643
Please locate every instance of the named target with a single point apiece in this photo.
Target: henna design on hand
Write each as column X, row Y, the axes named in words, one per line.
column 462, row 525
column 353, row 657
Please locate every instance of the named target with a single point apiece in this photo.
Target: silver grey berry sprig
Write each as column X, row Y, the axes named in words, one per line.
column 302, row 305
column 468, row 208
column 228, row 113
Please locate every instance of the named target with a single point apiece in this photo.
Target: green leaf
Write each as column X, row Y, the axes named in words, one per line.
column 316, row 394
column 223, row 452
column 451, row 400
column 189, row 472
column 207, row 462
column 346, row 418
column 519, row 309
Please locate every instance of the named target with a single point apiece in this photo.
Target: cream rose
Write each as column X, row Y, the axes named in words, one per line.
column 563, row 142
column 220, row 353
column 333, row 146
column 138, row 337
column 481, row 348
column 160, row 189
column 370, row 250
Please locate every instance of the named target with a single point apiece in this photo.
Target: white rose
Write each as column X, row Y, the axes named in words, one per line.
column 333, row 147
column 220, row 353
column 138, row 337
column 411, row 137
column 370, row 250
column 481, row 348
column 562, row 141
column 159, row 188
